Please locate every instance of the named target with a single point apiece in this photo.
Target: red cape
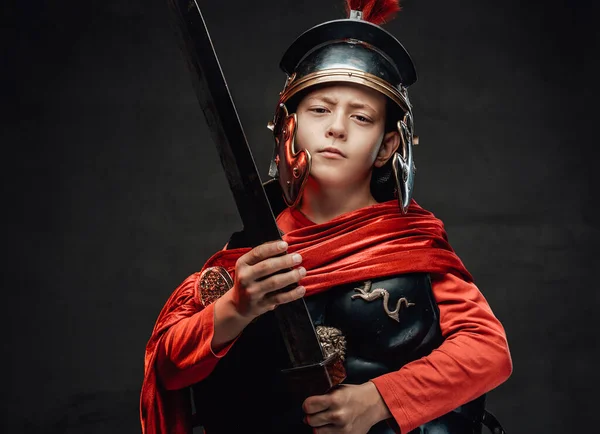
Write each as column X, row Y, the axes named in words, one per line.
column 372, row 242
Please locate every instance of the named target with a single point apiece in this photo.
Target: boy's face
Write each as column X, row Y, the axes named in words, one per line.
column 342, row 126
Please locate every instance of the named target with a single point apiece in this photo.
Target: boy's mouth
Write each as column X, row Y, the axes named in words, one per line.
column 331, row 150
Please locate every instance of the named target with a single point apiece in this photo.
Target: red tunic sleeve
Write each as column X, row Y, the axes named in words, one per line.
column 473, row 359
column 184, row 354
column 178, row 354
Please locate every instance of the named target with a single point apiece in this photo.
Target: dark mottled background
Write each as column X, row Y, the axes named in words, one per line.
column 113, row 192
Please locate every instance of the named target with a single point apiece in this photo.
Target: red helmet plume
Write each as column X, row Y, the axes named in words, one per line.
column 374, row 11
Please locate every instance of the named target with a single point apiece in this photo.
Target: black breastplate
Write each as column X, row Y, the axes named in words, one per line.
column 386, row 324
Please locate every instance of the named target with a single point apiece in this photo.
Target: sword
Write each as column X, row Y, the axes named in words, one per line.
column 310, row 373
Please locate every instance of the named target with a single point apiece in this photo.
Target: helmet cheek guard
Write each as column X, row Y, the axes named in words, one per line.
column 403, row 164
column 290, row 166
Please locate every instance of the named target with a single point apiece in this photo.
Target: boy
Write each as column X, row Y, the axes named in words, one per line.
column 419, row 342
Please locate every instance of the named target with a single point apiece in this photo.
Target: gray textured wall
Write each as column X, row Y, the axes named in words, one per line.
column 113, row 192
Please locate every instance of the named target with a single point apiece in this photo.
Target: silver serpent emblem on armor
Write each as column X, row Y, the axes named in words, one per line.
column 213, row 283
column 370, row 295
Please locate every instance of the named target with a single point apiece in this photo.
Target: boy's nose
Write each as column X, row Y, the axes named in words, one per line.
column 337, row 129
column 338, row 134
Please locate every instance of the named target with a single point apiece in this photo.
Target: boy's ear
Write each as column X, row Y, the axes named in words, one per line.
column 388, row 147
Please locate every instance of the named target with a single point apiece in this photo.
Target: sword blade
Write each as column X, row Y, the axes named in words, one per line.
column 251, row 200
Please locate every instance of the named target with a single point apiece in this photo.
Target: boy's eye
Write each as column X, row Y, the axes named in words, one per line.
column 319, row 110
column 362, row 119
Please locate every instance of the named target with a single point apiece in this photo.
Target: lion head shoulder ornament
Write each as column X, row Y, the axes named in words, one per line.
column 352, row 50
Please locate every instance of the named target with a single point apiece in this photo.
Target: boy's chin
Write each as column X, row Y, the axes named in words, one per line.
column 332, row 180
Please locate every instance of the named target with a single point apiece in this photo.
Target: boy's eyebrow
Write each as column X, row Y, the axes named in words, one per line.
column 325, row 98
column 353, row 104
column 361, row 105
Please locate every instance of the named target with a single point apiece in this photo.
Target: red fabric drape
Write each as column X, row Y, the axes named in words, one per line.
column 375, row 241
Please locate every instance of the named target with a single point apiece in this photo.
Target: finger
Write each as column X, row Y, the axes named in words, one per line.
column 263, row 252
column 314, row 421
column 280, row 281
column 271, row 266
column 328, row 429
column 324, row 418
column 316, row 404
column 275, row 300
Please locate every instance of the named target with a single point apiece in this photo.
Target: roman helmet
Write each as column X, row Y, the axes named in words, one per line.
column 352, row 50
